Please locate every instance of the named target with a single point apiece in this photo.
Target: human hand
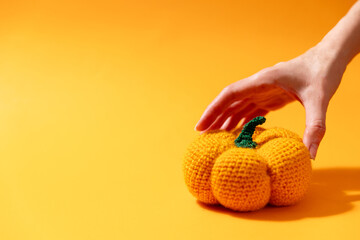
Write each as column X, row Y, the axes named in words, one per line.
column 311, row 78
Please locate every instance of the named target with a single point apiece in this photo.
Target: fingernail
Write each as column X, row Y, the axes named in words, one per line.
column 313, row 150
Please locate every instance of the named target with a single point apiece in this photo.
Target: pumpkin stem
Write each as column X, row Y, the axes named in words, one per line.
column 245, row 138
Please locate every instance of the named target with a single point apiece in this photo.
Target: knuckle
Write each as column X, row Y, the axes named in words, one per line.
column 266, row 77
column 279, row 64
column 214, row 111
column 318, row 126
column 229, row 90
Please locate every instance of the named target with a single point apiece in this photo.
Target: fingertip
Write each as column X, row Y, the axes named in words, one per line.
column 204, row 123
column 198, row 127
column 313, row 150
column 311, row 146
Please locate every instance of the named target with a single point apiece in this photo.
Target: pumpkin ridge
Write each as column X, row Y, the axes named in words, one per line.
column 274, row 133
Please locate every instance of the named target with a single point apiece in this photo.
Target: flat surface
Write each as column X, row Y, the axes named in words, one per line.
column 98, row 101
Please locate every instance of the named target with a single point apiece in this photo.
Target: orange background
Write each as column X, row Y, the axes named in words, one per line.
column 98, row 101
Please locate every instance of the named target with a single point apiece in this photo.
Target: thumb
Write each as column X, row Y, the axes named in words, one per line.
column 315, row 125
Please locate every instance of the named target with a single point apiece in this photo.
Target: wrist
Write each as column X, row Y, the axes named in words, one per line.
column 343, row 41
column 332, row 54
column 333, row 51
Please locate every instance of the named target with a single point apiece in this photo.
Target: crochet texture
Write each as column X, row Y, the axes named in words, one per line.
column 221, row 168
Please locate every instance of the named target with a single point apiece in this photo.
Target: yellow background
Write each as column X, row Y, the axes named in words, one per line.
column 98, row 101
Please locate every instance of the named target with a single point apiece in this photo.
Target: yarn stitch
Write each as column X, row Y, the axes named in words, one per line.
column 245, row 173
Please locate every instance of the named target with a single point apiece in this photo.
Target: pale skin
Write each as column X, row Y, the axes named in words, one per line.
column 311, row 78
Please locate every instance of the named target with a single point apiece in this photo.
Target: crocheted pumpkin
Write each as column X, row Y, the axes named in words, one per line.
column 245, row 173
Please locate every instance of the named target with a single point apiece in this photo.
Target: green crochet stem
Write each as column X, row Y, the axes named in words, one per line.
column 245, row 138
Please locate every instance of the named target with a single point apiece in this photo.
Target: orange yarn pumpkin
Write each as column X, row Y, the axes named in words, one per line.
column 258, row 167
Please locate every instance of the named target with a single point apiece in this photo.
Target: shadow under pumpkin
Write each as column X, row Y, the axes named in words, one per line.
column 326, row 196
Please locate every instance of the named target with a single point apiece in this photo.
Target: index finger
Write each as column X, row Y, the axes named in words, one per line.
column 228, row 95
